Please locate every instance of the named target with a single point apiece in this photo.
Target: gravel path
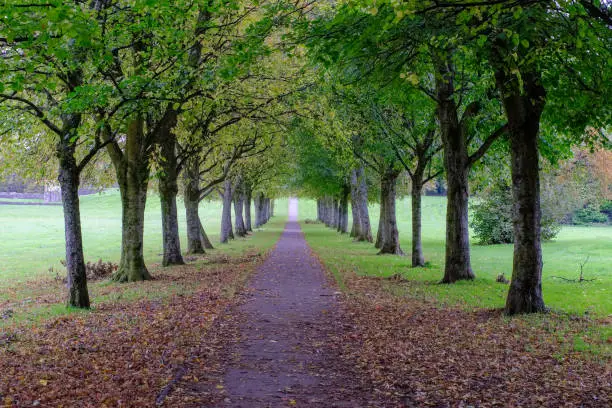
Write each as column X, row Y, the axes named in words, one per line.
column 284, row 356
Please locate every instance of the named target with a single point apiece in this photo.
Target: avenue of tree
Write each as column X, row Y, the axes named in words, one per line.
column 243, row 101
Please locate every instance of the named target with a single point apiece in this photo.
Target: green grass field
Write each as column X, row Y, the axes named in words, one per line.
column 32, row 237
column 562, row 258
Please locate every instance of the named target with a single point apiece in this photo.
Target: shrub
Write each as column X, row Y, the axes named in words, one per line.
column 492, row 217
column 589, row 215
column 94, row 270
column 606, row 208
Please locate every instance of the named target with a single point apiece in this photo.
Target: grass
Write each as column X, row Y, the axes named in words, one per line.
column 33, row 244
column 562, row 258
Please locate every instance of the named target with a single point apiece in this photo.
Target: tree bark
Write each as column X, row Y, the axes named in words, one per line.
column 168, row 190
column 456, row 163
column 191, row 180
column 418, row 259
column 205, row 239
column 78, row 295
column 381, row 226
column 524, row 106
column 266, row 211
column 258, row 209
column 247, row 208
column 238, row 210
column 390, row 234
column 133, row 177
column 356, row 227
column 226, row 216
column 343, row 210
column 334, row 214
column 365, row 229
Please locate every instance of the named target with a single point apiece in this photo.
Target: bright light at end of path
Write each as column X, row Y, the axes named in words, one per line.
column 293, row 209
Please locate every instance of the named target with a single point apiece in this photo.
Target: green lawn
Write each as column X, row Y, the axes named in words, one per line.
column 562, row 258
column 32, row 237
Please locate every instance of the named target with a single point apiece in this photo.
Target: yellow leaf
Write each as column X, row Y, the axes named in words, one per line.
column 43, row 382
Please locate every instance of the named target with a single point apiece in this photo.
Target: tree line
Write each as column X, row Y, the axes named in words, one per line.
column 432, row 87
column 179, row 92
column 240, row 100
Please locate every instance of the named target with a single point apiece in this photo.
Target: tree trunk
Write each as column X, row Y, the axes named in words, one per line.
column 226, row 215
column 271, row 208
column 456, row 163
column 365, row 229
column 191, row 179
column 133, row 180
column 204, row 237
column 381, row 226
column 168, row 190
column 258, row 210
column 325, row 209
column 458, row 265
column 78, row 295
column 247, row 209
column 343, row 206
column 418, row 259
column 356, row 227
column 238, row 208
column 523, row 109
column 266, row 210
column 338, row 214
column 390, row 235
column 334, row 214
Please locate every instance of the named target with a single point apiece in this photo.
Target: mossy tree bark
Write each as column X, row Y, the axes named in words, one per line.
column 132, row 168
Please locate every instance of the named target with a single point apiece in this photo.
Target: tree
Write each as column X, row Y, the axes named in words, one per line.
column 387, row 48
column 411, row 130
column 49, row 56
column 525, row 45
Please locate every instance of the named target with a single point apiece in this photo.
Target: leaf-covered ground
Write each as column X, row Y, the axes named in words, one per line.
column 123, row 353
column 424, row 355
column 169, row 342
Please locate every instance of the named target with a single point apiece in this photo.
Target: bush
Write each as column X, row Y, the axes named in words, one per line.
column 606, row 208
column 492, row 217
column 589, row 215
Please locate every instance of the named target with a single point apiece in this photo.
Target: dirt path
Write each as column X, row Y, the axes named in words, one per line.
column 284, row 356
